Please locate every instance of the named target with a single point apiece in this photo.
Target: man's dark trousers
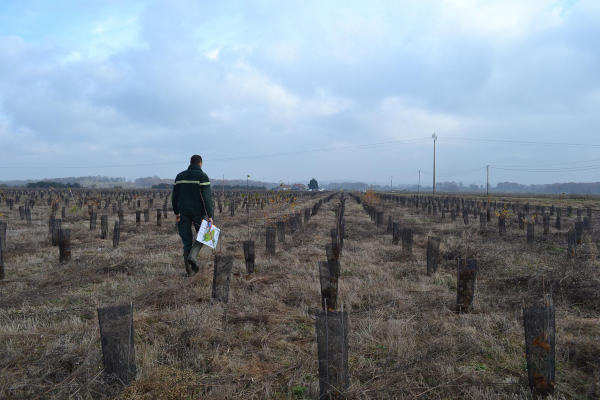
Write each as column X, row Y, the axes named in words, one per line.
column 185, row 229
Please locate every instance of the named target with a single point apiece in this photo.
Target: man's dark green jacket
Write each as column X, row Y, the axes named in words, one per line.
column 186, row 197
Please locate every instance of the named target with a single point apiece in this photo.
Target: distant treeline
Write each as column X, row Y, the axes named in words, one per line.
column 214, row 187
column 552, row 188
column 55, row 185
column 509, row 187
column 459, row 187
column 513, row 187
column 86, row 180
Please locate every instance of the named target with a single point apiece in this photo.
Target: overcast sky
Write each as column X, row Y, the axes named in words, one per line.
column 113, row 83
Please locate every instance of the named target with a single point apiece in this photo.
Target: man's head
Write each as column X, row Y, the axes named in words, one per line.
column 196, row 159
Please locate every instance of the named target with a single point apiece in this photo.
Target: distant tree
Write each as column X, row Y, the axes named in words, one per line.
column 55, row 185
column 150, row 180
column 236, row 187
column 447, row 186
column 313, row 184
column 162, row 186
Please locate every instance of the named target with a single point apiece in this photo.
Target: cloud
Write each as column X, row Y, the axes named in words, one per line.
column 397, row 119
column 157, row 80
column 213, row 54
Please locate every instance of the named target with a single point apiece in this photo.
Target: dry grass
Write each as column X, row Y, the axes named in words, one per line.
column 405, row 339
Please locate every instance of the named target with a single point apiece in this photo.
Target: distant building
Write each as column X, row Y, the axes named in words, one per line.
column 283, row 187
column 298, row 186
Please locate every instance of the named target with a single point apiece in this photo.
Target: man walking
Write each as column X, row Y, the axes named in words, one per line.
column 192, row 202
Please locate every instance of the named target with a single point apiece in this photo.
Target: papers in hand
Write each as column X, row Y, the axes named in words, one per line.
column 208, row 234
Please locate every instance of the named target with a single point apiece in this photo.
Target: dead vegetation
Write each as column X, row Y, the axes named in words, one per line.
column 405, row 339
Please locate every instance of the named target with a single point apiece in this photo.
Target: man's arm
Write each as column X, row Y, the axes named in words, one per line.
column 207, row 196
column 175, row 197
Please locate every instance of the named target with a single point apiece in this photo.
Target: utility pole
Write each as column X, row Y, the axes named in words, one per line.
column 434, row 136
column 419, row 188
column 248, row 204
column 392, row 183
column 487, row 167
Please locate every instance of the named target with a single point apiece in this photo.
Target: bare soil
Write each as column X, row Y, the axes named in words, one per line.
column 405, row 339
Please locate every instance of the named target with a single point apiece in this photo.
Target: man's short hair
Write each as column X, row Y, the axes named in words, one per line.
column 196, row 159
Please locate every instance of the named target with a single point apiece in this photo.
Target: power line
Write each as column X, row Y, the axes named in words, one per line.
column 546, row 165
column 361, row 146
column 466, row 172
column 453, row 174
column 403, row 179
column 528, row 168
column 528, row 143
column 573, row 169
column 300, row 152
column 523, row 168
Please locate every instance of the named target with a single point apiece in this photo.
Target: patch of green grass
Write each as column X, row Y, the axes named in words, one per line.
column 245, row 334
column 524, row 364
column 305, row 329
column 479, row 366
column 299, row 391
column 380, row 347
column 556, row 249
column 560, row 366
column 86, row 316
column 443, row 280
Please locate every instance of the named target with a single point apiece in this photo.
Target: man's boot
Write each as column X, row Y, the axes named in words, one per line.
column 192, row 258
column 188, row 268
